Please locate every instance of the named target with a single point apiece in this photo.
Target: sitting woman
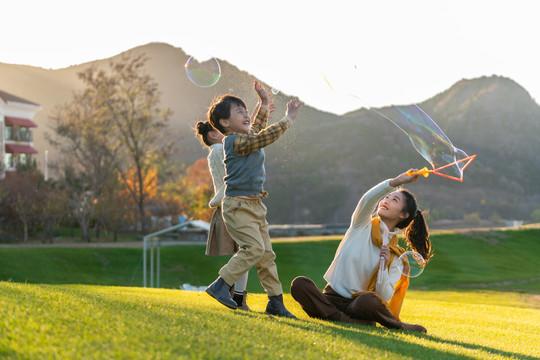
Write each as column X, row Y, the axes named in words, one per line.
column 353, row 293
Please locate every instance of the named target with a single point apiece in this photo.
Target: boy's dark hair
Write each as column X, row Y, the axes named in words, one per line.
column 416, row 230
column 221, row 109
column 203, row 128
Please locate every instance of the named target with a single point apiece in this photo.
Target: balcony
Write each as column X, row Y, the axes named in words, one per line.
column 18, row 134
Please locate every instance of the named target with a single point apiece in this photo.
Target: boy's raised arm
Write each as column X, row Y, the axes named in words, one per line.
column 263, row 110
column 246, row 144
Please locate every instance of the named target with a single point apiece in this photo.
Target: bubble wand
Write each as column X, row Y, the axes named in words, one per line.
column 382, row 262
column 425, row 171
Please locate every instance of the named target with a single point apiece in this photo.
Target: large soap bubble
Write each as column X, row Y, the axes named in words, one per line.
column 203, row 71
column 425, row 135
column 429, row 140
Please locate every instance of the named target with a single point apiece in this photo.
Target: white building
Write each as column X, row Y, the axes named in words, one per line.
column 16, row 131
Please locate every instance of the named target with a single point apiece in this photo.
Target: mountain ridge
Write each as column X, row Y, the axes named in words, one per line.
column 323, row 164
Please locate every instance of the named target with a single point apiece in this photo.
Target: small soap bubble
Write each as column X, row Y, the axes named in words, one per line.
column 411, row 264
column 203, row 71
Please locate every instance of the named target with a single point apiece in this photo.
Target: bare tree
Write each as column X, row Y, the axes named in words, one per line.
column 115, row 123
column 83, row 132
column 129, row 97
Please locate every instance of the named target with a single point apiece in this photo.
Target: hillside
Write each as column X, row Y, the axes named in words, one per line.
column 325, row 162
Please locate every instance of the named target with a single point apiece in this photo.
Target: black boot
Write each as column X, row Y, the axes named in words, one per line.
column 220, row 291
column 275, row 306
column 241, row 301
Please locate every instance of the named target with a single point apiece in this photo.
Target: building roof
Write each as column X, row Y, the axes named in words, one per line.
column 7, row 97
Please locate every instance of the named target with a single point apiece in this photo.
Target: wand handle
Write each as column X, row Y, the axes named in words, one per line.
column 381, row 268
column 425, row 172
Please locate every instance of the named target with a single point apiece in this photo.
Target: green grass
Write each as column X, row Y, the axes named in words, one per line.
column 504, row 260
column 97, row 322
column 479, row 298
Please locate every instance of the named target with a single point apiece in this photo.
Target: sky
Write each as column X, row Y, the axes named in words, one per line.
column 381, row 51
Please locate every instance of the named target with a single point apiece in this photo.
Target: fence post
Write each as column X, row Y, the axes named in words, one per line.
column 158, row 264
column 145, row 248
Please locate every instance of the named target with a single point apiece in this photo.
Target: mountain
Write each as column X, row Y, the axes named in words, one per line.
column 319, row 169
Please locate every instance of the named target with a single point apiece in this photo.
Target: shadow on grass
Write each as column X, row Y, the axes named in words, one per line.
column 385, row 340
column 378, row 337
column 475, row 347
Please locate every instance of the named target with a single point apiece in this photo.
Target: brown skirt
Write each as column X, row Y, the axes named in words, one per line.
column 219, row 241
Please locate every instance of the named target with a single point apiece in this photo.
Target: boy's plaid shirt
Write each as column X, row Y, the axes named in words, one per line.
column 260, row 135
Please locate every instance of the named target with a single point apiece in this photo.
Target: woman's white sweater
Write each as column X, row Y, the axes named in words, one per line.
column 357, row 256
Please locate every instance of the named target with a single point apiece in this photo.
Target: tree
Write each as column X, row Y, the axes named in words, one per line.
column 82, row 132
column 81, row 199
column 21, row 191
column 535, row 216
column 113, row 210
column 115, row 123
column 129, row 99
column 53, row 208
column 193, row 191
column 472, row 219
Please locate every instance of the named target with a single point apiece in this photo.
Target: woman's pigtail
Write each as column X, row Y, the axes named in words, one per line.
column 417, row 235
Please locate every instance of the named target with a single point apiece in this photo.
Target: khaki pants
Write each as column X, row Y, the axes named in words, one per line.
column 246, row 222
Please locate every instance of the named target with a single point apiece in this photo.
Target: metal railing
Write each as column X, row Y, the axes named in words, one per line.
column 151, row 242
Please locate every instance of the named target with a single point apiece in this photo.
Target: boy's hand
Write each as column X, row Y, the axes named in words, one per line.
column 263, row 95
column 292, row 108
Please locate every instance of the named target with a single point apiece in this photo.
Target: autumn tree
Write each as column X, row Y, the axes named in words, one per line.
column 193, row 191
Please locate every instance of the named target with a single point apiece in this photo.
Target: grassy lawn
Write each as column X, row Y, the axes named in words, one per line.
column 503, row 260
column 99, row 322
column 479, row 298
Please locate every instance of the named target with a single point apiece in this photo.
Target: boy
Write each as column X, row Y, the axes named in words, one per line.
column 243, row 211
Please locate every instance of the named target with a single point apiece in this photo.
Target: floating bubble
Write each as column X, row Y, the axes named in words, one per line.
column 274, row 91
column 411, row 264
column 428, row 139
column 203, row 71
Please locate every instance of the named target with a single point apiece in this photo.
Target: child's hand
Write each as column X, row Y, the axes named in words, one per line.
column 263, row 95
column 404, row 178
column 292, row 108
